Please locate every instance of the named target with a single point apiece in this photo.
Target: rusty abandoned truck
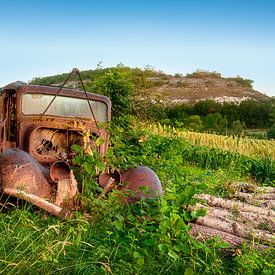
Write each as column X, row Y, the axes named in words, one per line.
column 38, row 126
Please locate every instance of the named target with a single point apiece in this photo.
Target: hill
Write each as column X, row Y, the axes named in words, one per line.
column 173, row 89
column 203, row 85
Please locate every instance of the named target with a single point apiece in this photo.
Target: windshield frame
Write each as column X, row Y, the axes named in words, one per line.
column 73, row 94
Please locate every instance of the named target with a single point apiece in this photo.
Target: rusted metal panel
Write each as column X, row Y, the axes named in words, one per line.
column 19, row 170
column 138, row 182
column 143, row 182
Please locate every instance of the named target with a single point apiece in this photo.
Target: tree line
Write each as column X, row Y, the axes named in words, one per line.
column 219, row 118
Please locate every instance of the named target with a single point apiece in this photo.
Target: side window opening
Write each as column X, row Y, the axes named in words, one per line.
column 2, row 107
column 3, row 101
column 12, row 119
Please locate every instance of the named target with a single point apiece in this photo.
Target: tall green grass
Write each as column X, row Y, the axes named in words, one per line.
column 149, row 237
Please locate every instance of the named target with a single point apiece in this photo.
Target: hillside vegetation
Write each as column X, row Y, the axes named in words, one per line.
column 175, row 89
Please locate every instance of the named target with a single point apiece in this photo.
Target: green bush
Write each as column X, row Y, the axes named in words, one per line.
column 193, row 123
column 271, row 132
column 244, row 82
column 117, row 86
column 204, row 74
column 215, row 123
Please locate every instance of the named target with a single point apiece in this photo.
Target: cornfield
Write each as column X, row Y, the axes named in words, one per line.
column 244, row 146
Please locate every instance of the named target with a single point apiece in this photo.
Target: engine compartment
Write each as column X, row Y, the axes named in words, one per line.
column 48, row 145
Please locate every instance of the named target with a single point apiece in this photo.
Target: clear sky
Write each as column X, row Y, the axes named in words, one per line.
column 40, row 38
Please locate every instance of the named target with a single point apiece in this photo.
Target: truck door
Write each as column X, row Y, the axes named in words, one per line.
column 7, row 121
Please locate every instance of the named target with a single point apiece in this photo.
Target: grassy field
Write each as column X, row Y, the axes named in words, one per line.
column 244, row 146
column 122, row 240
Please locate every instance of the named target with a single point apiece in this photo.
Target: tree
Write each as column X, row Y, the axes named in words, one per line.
column 254, row 114
column 231, row 111
column 215, row 123
column 272, row 112
column 237, row 128
column 206, row 107
column 117, row 86
column 271, row 132
column 193, row 123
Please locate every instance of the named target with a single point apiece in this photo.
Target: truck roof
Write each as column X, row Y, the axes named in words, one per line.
column 21, row 87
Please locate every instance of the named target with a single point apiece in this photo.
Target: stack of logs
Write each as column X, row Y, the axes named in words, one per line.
column 246, row 216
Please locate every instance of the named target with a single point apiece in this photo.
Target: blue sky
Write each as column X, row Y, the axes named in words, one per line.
column 40, row 38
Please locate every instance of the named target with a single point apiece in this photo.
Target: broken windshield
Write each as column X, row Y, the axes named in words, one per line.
column 35, row 104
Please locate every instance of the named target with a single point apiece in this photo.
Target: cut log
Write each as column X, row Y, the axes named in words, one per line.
column 235, row 228
column 203, row 232
column 255, row 196
column 270, row 204
column 236, row 205
column 37, row 201
column 252, row 187
column 253, row 219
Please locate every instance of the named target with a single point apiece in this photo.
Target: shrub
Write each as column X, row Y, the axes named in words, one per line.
column 117, row 86
column 204, row 74
column 271, row 132
column 237, row 128
column 215, row 123
column 244, row 82
column 193, row 123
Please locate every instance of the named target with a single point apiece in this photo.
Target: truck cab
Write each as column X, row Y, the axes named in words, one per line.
column 48, row 138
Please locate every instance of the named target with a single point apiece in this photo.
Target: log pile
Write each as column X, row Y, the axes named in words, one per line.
column 246, row 216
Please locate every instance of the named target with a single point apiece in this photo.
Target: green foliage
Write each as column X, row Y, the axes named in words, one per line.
column 206, row 107
column 256, row 133
column 193, row 123
column 87, row 168
column 218, row 117
column 204, row 74
column 271, row 132
column 215, row 123
column 254, row 114
column 262, row 170
column 237, row 128
column 151, row 236
column 119, row 89
column 242, row 81
column 272, row 112
column 60, row 78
